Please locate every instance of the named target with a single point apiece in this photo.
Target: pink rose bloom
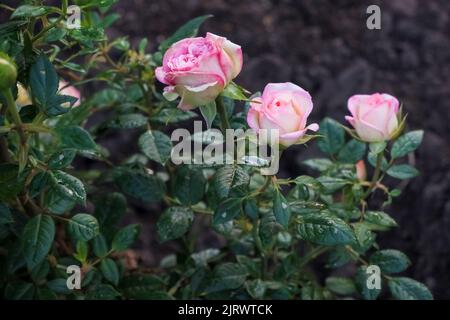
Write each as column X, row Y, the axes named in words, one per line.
column 198, row 69
column 66, row 90
column 374, row 117
column 282, row 106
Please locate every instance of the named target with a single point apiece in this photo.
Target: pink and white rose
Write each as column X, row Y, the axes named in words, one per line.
column 374, row 117
column 282, row 106
column 198, row 69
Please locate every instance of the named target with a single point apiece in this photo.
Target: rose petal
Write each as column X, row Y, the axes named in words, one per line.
column 367, row 132
column 351, row 120
column 170, row 94
column 252, row 119
column 192, row 97
column 161, row 75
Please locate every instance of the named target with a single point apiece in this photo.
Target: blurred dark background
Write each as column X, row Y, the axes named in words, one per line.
column 325, row 47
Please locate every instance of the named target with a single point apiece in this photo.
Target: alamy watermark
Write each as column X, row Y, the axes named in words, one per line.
column 373, row 280
column 373, row 22
column 73, row 17
column 73, row 281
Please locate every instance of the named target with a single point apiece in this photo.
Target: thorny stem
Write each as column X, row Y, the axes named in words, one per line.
column 311, row 255
column 376, row 175
column 260, row 248
column 15, row 115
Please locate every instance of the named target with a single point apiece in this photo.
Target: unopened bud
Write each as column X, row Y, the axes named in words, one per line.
column 8, row 72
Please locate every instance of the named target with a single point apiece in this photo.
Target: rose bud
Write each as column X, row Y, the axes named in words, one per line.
column 198, row 69
column 8, row 72
column 282, row 106
column 374, row 117
column 361, row 173
column 66, row 90
column 23, row 97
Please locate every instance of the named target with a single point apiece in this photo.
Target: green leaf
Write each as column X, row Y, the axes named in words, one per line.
column 11, row 182
column 403, row 288
column 5, row 215
column 61, row 159
column 340, row 285
column 156, row 146
column 19, row 290
column 251, row 208
column 227, row 210
column 325, row 230
column 235, row 92
column 406, row 144
column 256, row 288
column 59, row 199
column 365, row 238
column 203, row 257
column 172, row 115
column 128, row 121
column 402, row 171
column 333, row 136
column 30, row 11
column 390, row 261
column 110, row 271
column 268, row 228
column 174, row 222
column 74, row 188
column 103, row 292
column 44, row 293
column 82, row 250
column 190, row 185
column 361, row 284
column 338, row 257
column 227, row 276
column 380, row 219
column 332, row 184
column 59, row 286
column 230, row 179
column 83, row 226
column 209, row 112
column 352, row 151
column 372, row 158
column 39, row 182
column 109, row 209
column 99, row 246
column 140, row 185
column 37, row 239
column 377, row 147
column 141, row 287
column 320, row 164
column 44, row 82
column 125, row 237
column 311, row 292
column 75, row 137
column 188, row 30
column 281, row 209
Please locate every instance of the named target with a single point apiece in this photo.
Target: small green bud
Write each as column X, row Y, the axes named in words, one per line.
column 8, row 72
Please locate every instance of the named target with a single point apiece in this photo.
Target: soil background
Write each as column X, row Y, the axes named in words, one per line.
column 325, row 47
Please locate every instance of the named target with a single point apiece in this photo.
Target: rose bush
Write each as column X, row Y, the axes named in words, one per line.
column 65, row 191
